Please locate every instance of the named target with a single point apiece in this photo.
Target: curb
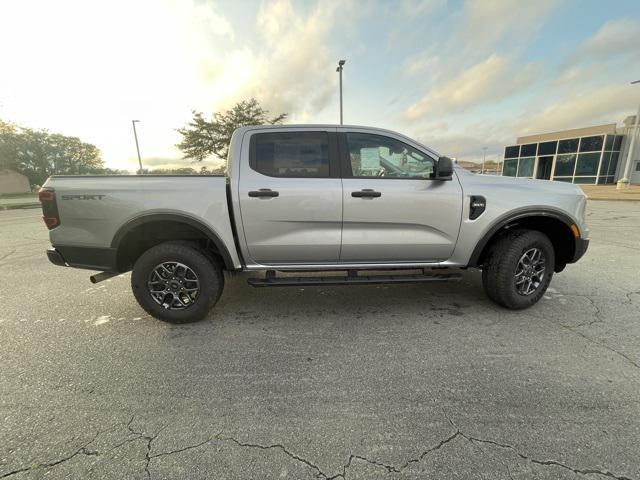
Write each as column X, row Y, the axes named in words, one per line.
column 614, row 199
column 20, row 206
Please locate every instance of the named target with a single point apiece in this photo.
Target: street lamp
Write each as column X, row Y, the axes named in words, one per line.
column 484, row 157
column 625, row 181
column 339, row 70
column 135, row 135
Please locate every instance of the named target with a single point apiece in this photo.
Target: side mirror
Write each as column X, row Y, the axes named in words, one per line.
column 444, row 169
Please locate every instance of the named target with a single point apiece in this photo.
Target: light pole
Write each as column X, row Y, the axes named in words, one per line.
column 135, row 135
column 484, row 157
column 339, row 70
column 625, row 181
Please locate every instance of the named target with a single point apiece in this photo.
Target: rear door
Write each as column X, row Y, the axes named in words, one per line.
column 393, row 210
column 291, row 196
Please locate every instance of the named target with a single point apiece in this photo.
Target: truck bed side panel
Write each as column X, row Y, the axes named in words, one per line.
column 93, row 209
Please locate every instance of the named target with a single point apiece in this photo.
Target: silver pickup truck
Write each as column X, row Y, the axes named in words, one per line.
column 371, row 203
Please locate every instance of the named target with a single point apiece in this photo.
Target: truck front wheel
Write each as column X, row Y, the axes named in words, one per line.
column 518, row 268
column 176, row 282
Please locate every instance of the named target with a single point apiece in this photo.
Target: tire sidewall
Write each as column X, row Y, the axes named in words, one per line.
column 209, row 277
column 526, row 242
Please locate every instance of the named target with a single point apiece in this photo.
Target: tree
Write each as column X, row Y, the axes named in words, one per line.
column 39, row 154
column 202, row 138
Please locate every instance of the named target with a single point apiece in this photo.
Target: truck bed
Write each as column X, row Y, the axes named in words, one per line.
column 95, row 210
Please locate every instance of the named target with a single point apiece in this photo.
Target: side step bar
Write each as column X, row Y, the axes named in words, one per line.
column 270, row 279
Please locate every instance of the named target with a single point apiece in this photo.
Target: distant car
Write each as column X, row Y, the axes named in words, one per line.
column 315, row 198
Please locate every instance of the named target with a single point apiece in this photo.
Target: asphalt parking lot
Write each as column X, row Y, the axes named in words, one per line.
column 401, row 381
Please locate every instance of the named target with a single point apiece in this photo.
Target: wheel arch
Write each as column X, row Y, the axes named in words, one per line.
column 556, row 225
column 140, row 233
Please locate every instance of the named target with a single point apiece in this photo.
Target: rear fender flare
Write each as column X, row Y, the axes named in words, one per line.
column 181, row 218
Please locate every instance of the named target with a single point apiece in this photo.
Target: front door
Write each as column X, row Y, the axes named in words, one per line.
column 291, row 197
column 544, row 168
column 393, row 211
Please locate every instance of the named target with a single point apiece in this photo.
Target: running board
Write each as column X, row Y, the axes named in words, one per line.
column 270, row 279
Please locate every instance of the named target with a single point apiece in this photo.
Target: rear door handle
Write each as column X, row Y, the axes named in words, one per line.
column 263, row 192
column 366, row 193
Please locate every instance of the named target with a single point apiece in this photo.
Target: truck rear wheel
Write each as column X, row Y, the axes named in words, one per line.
column 518, row 269
column 176, row 282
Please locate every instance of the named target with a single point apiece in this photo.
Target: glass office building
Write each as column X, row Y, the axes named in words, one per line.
column 580, row 159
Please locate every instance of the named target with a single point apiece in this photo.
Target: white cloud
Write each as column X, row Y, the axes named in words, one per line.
column 607, row 104
column 613, row 38
column 491, row 23
column 293, row 69
column 490, row 80
column 421, row 7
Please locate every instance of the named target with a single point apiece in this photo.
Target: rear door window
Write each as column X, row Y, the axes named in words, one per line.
column 291, row 154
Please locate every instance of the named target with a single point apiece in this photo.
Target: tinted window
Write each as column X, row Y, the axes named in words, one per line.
column 605, row 163
column 526, row 167
column 293, row 154
column 512, row 152
column 608, row 144
column 528, row 150
column 591, row 144
column 568, row 146
column 613, row 163
column 617, row 142
column 509, row 168
column 587, row 164
column 565, row 165
column 584, row 180
column 547, row 148
column 385, row 157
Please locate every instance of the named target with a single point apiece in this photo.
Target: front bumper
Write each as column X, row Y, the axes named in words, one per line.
column 56, row 257
column 581, row 248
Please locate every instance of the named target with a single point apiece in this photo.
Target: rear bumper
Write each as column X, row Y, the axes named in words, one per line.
column 56, row 257
column 90, row 258
column 581, row 248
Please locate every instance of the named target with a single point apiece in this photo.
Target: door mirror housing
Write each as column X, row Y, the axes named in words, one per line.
column 444, row 169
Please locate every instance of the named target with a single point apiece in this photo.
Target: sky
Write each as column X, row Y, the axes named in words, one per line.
column 455, row 75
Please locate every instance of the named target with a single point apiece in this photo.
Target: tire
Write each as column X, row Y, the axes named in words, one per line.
column 177, row 268
column 502, row 264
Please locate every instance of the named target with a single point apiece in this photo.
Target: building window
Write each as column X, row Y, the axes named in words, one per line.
column 568, row 146
column 547, row 148
column 587, row 164
column 512, row 152
column 604, row 165
column 510, row 167
column 591, row 144
column 525, row 168
column 613, row 163
column 617, row 142
column 565, row 164
column 608, row 144
column 585, row 180
column 528, row 150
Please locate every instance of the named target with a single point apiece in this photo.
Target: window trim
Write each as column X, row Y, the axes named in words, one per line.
column 334, row 167
column 345, row 161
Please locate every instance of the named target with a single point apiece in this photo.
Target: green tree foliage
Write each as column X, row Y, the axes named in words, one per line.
column 39, row 154
column 202, row 138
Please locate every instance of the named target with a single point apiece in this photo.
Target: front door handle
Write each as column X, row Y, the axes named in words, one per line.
column 263, row 192
column 366, row 193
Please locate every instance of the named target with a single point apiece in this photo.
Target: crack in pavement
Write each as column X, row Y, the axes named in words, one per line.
column 8, row 254
column 390, row 468
column 573, row 329
column 82, row 450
